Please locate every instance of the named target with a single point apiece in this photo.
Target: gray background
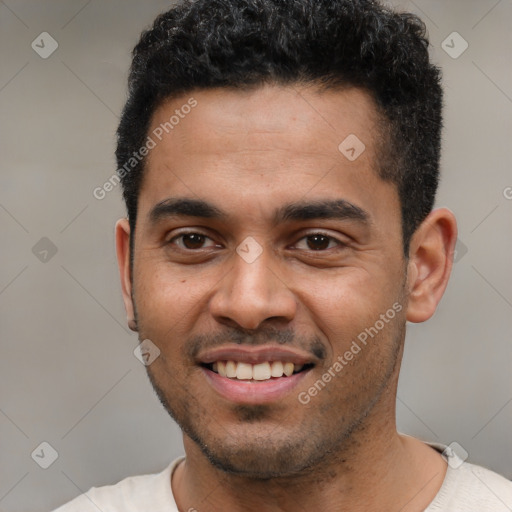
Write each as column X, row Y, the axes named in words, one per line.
column 68, row 375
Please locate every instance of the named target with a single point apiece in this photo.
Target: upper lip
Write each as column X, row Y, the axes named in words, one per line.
column 255, row 355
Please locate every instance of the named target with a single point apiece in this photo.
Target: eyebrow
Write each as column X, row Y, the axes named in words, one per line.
column 338, row 209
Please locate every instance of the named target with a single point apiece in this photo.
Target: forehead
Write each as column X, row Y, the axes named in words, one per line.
column 280, row 142
column 299, row 119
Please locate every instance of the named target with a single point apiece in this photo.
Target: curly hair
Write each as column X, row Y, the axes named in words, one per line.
column 201, row 44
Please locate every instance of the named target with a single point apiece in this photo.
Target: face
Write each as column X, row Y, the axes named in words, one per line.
column 259, row 242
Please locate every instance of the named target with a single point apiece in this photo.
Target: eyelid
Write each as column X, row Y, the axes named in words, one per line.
column 198, row 231
column 187, row 231
column 340, row 243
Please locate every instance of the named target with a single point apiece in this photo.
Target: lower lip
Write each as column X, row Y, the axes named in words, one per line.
column 253, row 392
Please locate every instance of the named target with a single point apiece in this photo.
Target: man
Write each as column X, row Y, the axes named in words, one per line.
column 279, row 162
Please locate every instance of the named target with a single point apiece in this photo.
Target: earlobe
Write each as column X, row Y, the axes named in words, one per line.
column 123, row 261
column 430, row 263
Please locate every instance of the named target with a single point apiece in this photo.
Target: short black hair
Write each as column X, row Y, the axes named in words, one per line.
column 202, row 44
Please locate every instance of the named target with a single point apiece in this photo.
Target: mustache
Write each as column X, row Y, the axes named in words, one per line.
column 200, row 342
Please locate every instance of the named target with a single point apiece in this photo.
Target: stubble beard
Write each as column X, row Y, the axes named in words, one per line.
column 263, row 457
column 280, row 452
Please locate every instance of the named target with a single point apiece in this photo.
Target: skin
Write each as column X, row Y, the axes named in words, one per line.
column 249, row 153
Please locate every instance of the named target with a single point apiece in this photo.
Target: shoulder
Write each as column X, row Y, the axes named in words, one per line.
column 468, row 487
column 472, row 488
column 131, row 494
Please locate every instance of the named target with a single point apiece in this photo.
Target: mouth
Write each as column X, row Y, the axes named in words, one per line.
column 260, row 372
column 254, row 375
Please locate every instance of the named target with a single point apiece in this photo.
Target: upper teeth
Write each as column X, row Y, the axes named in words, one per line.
column 260, row 371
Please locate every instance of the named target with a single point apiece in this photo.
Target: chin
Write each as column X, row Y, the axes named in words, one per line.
column 260, row 453
column 256, row 462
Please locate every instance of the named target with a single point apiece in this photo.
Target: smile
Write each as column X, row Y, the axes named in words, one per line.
column 256, row 372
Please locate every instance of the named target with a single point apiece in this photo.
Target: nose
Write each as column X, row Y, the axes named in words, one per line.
column 253, row 292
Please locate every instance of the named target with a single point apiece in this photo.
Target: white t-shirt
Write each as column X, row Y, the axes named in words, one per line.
column 466, row 488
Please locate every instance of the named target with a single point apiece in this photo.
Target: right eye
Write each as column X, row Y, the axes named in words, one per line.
column 190, row 241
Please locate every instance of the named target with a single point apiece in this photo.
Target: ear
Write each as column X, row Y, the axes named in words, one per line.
column 123, row 261
column 430, row 263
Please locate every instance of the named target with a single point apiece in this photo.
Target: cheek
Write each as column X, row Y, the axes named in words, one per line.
column 350, row 301
column 169, row 301
column 359, row 316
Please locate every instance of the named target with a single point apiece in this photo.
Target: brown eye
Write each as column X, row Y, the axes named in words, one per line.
column 191, row 241
column 319, row 242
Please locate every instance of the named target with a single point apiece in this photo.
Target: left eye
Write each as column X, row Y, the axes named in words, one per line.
column 320, row 242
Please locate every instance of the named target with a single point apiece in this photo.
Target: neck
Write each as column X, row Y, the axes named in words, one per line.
column 374, row 469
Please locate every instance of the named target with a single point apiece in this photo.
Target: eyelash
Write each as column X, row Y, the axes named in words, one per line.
column 339, row 243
